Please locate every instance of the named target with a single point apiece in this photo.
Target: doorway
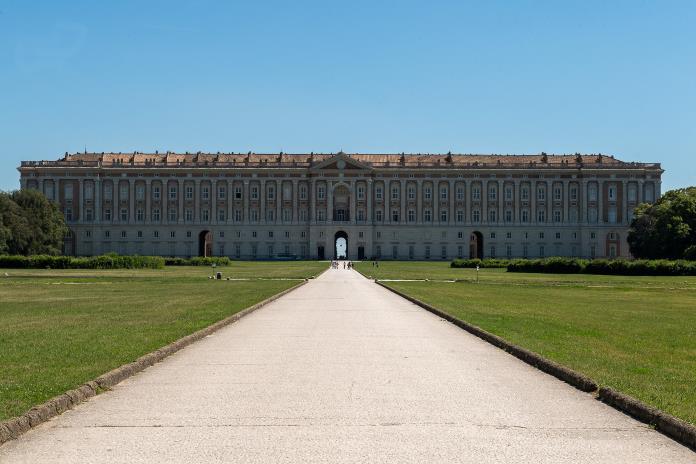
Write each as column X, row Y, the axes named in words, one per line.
column 476, row 245
column 205, row 244
column 341, row 245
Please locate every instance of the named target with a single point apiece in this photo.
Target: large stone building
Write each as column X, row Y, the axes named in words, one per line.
column 391, row 206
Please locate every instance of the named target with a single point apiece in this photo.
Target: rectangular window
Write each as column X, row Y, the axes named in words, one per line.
column 612, row 193
column 460, row 215
column 189, row 215
column 557, row 194
column 492, row 193
column 254, row 192
column 156, row 215
column 107, row 234
column 443, row 252
column 476, row 193
column 155, row 234
column 140, row 234
column 123, row 195
column 443, row 193
column 124, row 234
column 124, row 215
column 460, row 193
column 156, row 192
column 270, row 192
column 361, row 192
column 443, row 215
column 411, row 215
column 303, row 192
column 205, row 193
column 395, row 193
column 139, row 192
column 378, row 215
column 172, row 215
column 108, row 192
column 222, row 192
column 508, row 215
column 427, row 215
column 172, row 234
column 68, row 192
column 476, row 216
column 525, row 193
column 238, row 194
column 556, row 216
column 221, row 215
column 139, row 215
column 574, row 193
column 321, row 192
column 411, row 192
column 541, row 193
column 395, row 215
column 492, row 216
column 205, row 215
column 361, row 215
column 525, row 216
column 189, row 192
column 172, row 193
column 237, row 215
column 68, row 214
column 508, row 193
column 427, row 252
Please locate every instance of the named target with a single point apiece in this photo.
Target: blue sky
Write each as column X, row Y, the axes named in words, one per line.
column 616, row 77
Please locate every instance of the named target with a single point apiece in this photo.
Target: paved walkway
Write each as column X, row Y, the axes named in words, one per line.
column 342, row 370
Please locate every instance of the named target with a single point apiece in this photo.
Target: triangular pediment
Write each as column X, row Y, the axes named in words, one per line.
column 340, row 162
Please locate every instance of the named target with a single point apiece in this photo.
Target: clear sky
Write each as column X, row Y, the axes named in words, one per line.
column 617, row 77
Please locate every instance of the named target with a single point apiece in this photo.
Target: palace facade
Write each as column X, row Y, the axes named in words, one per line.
column 388, row 206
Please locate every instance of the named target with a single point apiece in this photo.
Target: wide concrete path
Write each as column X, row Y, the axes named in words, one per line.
column 342, row 370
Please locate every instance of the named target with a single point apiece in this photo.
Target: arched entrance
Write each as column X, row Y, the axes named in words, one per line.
column 340, row 245
column 476, row 245
column 205, row 243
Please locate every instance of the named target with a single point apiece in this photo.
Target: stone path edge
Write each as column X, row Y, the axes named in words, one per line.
column 14, row 427
column 673, row 427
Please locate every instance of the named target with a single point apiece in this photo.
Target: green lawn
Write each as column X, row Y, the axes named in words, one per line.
column 61, row 328
column 634, row 334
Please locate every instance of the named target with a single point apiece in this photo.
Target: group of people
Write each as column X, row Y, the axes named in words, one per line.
column 337, row 264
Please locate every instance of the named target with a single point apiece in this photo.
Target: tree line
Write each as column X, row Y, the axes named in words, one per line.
column 30, row 224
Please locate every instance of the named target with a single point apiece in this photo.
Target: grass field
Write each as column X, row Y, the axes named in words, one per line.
column 61, row 328
column 634, row 334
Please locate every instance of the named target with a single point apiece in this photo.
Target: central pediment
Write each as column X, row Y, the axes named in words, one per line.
column 340, row 162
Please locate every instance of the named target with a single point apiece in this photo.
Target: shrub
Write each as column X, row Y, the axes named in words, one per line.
column 111, row 261
column 482, row 263
column 198, row 261
column 659, row 267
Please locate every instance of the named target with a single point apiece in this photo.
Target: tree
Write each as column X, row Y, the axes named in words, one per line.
column 667, row 228
column 30, row 224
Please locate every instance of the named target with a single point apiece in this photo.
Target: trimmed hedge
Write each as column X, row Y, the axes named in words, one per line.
column 70, row 262
column 482, row 263
column 657, row 267
column 198, row 261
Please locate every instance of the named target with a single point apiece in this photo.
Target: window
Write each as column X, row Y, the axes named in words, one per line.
column 205, row 193
column 287, row 215
column 140, row 234
column 395, row 193
column 378, row 192
column 189, row 215
column 321, row 192
column 411, row 192
column 172, row 234
column 460, row 234
column 508, row 251
column 378, row 215
column 221, row 234
column 270, row 192
column 222, row 192
column 460, row 251
column 476, row 216
column 156, row 192
column 68, row 214
column 205, row 215
column 556, row 216
column 427, row 215
column 89, row 191
column 508, row 215
column 632, row 192
column 525, row 251
column 525, row 215
column 303, row 215
column 139, row 215
column 443, row 193
column 321, row 215
column 460, row 215
column 476, row 193
column 221, row 215
column 395, row 252
column 238, row 194
column 172, row 193
column 592, row 192
column 172, row 215
column 541, row 193
column 108, row 192
column 611, row 213
column 508, row 235
column 68, row 192
column 411, row 251
column 443, row 252
column 124, row 214
column 188, row 234
column 593, row 235
column 89, row 216
column 395, row 215
column 123, row 192
column 107, row 234
column 557, row 193
column 139, row 192
column 411, row 215
column 492, row 216
column 155, row 234
column 541, row 236
column 460, row 193
column 573, row 193
column 156, row 216
column 541, row 251
column 541, row 215
column 254, row 192
column 508, row 193
column 443, row 215
column 492, row 251
column 492, row 192
column 253, row 234
column 592, row 215
column 303, row 192
column 189, row 192
column 361, row 192
column 612, row 193
column 525, row 193
column 270, row 234
column 492, row 235
column 124, row 234
column 427, row 193
column 427, row 252
column 558, row 235
column 270, row 215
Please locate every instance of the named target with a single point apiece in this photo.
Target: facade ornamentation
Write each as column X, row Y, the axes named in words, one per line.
column 388, row 206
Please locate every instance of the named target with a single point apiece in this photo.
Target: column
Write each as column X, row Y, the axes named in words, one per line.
column 279, row 201
column 148, row 196
column 419, row 201
column 501, row 202
column 180, row 201
column 245, row 200
column 436, row 202
column 353, row 201
column 295, row 202
column 600, row 202
column 97, row 200
column 566, row 200
column 81, row 204
column 368, row 202
column 312, row 201
column 131, row 201
column 329, row 202
column 452, row 201
column 402, row 199
column 262, row 201
column 229, row 198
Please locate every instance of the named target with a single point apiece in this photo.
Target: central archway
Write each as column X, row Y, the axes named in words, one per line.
column 205, row 243
column 341, row 245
